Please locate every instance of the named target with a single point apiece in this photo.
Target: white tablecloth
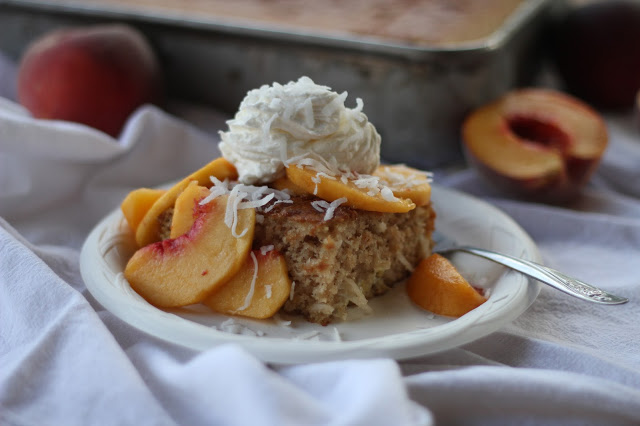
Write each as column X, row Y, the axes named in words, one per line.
column 64, row 360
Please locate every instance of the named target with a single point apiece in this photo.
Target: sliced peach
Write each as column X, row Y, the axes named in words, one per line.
column 438, row 287
column 137, row 203
column 149, row 228
column 261, row 298
column 406, row 182
column 331, row 189
column 536, row 143
column 284, row 183
column 185, row 208
column 184, row 270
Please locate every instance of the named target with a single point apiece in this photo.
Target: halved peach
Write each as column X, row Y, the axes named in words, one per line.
column 185, row 208
column 184, row 270
column 537, row 143
column 149, row 228
column 333, row 189
column 438, row 287
column 137, row 203
column 406, row 182
column 259, row 298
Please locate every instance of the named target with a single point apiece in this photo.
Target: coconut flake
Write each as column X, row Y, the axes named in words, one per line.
column 336, row 335
column 318, row 164
column 320, row 205
column 281, row 322
column 387, row 194
column 256, row 203
column 275, row 103
column 268, row 209
column 324, row 175
column 293, row 287
column 267, row 290
column 232, row 213
column 309, row 335
column 249, row 296
column 307, row 108
column 266, row 249
column 242, row 196
column 332, row 208
column 359, row 105
column 367, row 181
column 327, row 208
column 234, row 327
column 266, row 129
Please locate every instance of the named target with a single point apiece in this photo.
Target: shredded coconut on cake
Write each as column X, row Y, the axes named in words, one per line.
column 244, row 197
column 266, row 249
column 293, row 287
column 327, row 208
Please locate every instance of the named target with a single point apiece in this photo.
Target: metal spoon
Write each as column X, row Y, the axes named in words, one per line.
column 552, row 277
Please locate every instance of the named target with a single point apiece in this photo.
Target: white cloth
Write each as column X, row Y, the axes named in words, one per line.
column 64, row 360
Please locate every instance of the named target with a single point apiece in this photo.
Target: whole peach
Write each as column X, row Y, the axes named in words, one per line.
column 96, row 75
column 596, row 50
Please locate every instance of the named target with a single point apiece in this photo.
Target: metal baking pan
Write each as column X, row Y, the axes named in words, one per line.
column 416, row 94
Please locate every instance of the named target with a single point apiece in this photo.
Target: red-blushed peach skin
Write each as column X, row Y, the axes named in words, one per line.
column 95, row 75
column 272, row 285
column 536, row 143
column 438, row 287
column 184, row 270
column 185, row 208
column 271, row 289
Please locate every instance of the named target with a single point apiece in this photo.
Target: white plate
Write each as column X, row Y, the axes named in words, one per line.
column 396, row 329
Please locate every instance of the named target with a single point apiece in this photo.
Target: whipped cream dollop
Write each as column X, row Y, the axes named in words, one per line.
column 277, row 125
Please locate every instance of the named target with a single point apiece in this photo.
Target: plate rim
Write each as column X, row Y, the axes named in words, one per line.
column 474, row 325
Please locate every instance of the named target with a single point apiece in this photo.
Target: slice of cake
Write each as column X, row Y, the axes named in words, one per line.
column 308, row 168
column 345, row 260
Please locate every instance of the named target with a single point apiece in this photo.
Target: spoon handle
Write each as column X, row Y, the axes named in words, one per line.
column 556, row 279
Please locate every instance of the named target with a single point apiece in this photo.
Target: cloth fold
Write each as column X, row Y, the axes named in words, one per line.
column 66, row 360
column 524, row 396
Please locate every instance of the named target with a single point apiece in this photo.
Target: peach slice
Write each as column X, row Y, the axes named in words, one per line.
column 149, row 228
column 185, row 208
column 438, row 287
column 331, row 189
column 184, row 270
column 537, row 143
column 137, row 203
column 406, row 182
column 283, row 183
column 259, row 298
